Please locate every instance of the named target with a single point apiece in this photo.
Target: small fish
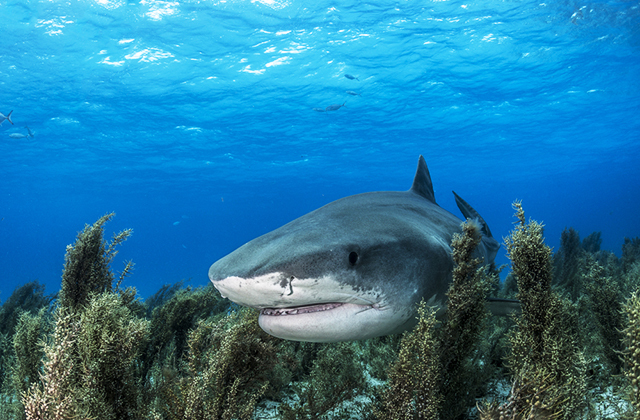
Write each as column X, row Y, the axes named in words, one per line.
column 20, row 135
column 8, row 117
column 319, row 109
column 334, row 107
column 350, row 77
column 577, row 16
column 350, row 92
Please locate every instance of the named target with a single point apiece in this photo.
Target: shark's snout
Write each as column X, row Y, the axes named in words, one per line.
column 282, row 290
column 262, row 291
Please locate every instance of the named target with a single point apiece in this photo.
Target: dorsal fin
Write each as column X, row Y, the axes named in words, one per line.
column 422, row 181
column 470, row 213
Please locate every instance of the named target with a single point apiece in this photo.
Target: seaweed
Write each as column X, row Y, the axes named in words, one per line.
column 378, row 354
column 549, row 379
column 630, row 253
column 413, row 390
column 54, row 398
column 611, row 264
column 592, row 242
column 162, row 296
column 109, row 341
column 461, row 377
column 87, row 265
column 604, row 304
column 336, row 376
column 567, row 261
column 186, row 353
column 172, row 321
column 24, row 318
column 436, row 374
column 7, row 405
column 89, row 365
column 89, row 368
column 27, row 354
column 228, row 370
column 631, row 354
column 29, row 298
column 104, row 361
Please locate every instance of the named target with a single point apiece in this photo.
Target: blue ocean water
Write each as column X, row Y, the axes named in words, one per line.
column 194, row 120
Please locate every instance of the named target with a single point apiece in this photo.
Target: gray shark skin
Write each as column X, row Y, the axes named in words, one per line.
column 352, row 269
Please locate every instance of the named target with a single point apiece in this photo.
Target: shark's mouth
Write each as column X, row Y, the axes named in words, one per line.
column 329, row 321
column 297, row 310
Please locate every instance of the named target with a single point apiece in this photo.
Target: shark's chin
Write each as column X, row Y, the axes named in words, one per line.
column 327, row 322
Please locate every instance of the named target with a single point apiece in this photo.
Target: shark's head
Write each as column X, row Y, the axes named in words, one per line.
column 350, row 270
column 335, row 274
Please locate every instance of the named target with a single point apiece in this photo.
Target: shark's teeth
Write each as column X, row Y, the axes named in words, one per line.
column 299, row 310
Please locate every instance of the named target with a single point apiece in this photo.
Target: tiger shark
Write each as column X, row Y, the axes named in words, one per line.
column 353, row 269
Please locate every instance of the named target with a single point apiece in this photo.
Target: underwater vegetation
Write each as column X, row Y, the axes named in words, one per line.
column 227, row 370
column 548, row 372
column 413, row 387
column 24, row 311
column 95, row 351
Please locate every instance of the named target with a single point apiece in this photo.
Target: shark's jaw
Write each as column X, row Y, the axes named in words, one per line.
column 335, row 322
column 314, row 309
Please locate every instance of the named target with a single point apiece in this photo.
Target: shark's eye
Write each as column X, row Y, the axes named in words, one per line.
column 353, row 258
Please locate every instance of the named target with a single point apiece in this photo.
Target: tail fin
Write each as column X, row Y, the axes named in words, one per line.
column 9, row 117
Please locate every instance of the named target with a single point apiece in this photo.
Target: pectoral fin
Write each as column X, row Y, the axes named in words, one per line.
column 504, row 307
